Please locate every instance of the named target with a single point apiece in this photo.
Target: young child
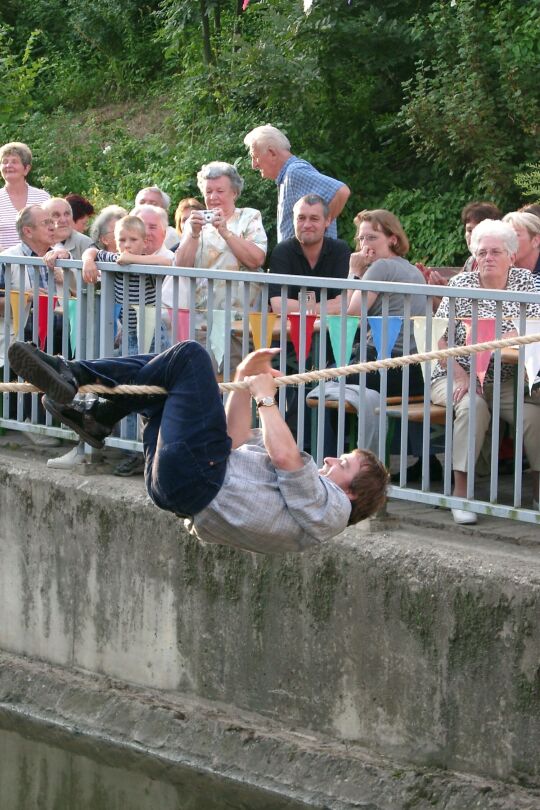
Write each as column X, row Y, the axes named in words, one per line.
column 130, row 236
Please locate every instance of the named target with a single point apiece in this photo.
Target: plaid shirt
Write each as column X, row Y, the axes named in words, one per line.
column 261, row 508
column 297, row 178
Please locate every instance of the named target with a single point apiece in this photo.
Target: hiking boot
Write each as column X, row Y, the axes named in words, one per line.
column 52, row 375
column 79, row 416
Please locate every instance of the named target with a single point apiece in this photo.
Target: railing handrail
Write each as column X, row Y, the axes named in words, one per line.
column 308, row 282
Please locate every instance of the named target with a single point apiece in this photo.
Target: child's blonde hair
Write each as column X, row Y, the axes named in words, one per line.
column 131, row 223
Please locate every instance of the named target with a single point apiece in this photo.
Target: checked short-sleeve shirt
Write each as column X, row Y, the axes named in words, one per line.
column 296, row 179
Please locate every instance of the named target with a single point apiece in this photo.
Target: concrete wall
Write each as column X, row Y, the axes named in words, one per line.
column 424, row 649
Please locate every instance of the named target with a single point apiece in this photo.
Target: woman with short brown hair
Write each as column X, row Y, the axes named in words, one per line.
column 15, row 165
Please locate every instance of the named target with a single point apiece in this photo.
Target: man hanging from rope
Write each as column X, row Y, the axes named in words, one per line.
column 253, row 489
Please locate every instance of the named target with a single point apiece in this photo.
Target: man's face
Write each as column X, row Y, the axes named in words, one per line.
column 265, row 161
column 149, row 197
column 343, row 470
column 155, row 230
column 40, row 234
column 129, row 240
column 62, row 216
column 309, row 223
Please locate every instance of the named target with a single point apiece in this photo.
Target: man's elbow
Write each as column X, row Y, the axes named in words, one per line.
column 288, row 461
column 340, row 198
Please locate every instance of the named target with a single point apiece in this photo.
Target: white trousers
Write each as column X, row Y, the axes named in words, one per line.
column 484, row 402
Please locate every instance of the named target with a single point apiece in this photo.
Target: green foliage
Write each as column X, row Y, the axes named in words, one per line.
column 529, row 181
column 431, row 219
column 19, row 74
column 472, row 104
column 418, row 105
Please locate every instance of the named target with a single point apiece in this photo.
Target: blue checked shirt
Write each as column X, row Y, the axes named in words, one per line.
column 297, row 178
column 271, row 511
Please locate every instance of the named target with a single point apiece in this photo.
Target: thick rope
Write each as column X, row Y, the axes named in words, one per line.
column 307, row 376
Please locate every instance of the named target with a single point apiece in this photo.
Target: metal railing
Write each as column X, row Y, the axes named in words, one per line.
column 92, row 325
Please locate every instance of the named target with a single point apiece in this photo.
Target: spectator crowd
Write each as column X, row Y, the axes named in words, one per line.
column 217, row 233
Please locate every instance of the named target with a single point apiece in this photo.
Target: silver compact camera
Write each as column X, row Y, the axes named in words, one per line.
column 208, row 216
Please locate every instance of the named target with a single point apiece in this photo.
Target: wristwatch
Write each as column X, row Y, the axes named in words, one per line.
column 265, row 402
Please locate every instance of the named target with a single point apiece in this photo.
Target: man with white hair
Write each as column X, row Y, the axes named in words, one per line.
column 153, row 195
column 65, row 234
column 156, row 224
column 270, row 152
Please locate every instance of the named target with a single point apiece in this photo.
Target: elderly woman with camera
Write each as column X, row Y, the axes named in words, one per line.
column 494, row 245
column 222, row 237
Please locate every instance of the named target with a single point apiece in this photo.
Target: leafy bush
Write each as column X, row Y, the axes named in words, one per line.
column 472, row 105
column 19, row 74
column 431, row 219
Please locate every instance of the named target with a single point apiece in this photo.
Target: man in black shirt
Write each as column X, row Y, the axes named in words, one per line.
column 309, row 253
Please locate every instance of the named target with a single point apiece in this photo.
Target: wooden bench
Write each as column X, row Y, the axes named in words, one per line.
column 333, row 405
column 394, row 411
column 415, row 412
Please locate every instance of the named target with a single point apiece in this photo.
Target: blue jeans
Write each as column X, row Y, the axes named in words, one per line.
column 185, row 439
column 133, row 349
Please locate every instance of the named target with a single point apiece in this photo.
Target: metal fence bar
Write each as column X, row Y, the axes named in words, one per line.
column 93, row 334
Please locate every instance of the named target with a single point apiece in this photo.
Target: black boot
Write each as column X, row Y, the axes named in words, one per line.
column 53, row 375
column 80, row 416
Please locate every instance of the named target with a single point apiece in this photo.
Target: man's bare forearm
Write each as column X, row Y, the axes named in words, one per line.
column 278, row 439
column 238, row 405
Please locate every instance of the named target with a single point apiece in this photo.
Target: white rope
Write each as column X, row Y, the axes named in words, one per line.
column 307, row 376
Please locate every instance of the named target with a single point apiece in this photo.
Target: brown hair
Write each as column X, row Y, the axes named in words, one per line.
column 187, row 202
column 370, row 487
column 80, row 206
column 389, row 224
column 478, row 211
column 531, row 208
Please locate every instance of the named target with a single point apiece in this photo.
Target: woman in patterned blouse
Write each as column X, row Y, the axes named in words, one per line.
column 222, row 237
column 494, row 245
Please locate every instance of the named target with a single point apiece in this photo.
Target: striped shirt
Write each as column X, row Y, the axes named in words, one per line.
column 8, row 214
column 149, row 289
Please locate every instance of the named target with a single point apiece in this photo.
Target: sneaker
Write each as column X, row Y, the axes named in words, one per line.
column 52, row 375
column 79, row 416
column 68, row 461
column 463, row 517
column 131, row 465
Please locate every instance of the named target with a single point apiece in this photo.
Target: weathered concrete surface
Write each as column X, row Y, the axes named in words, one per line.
column 420, row 649
column 243, row 746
